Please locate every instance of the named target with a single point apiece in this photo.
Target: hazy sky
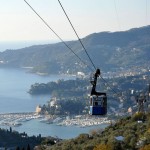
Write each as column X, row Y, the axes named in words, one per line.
column 18, row 22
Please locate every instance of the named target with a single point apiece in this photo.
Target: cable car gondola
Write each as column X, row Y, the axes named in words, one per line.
column 98, row 100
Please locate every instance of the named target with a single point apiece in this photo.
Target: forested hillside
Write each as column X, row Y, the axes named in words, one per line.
column 129, row 133
column 108, row 50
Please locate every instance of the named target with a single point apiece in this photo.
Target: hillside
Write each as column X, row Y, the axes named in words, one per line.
column 128, row 133
column 108, row 50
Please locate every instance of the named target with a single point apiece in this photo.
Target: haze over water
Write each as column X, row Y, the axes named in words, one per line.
column 13, row 45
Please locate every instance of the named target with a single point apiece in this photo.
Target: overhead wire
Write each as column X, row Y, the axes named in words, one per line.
column 57, row 35
column 117, row 16
column 77, row 34
column 66, row 43
column 84, row 47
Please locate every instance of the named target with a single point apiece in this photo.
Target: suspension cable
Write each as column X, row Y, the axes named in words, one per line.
column 76, row 34
column 57, row 35
column 66, row 43
column 84, row 47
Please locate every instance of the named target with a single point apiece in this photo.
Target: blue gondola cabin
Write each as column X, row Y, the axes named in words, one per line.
column 98, row 105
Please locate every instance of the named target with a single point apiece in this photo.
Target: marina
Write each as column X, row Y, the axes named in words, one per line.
column 17, row 119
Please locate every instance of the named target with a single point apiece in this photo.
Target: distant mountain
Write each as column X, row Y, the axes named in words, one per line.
column 108, row 50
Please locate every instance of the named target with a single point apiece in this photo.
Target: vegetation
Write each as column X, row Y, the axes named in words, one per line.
column 61, row 88
column 71, row 106
column 134, row 136
column 13, row 139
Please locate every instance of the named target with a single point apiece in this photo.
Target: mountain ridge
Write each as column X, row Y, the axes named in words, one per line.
column 108, row 50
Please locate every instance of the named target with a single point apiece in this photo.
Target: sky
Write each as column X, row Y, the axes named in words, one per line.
column 20, row 23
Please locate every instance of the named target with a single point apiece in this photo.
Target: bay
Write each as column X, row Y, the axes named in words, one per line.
column 14, row 98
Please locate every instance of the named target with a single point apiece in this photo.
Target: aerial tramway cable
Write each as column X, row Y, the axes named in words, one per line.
column 66, row 43
column 84, row 46
column 57, row 35
column 76, row 34
column 117, row 16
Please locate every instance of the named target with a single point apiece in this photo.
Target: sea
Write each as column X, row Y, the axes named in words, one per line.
column 14, row 98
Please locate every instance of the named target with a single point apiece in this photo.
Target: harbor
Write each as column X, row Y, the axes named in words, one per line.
column 18, row 119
